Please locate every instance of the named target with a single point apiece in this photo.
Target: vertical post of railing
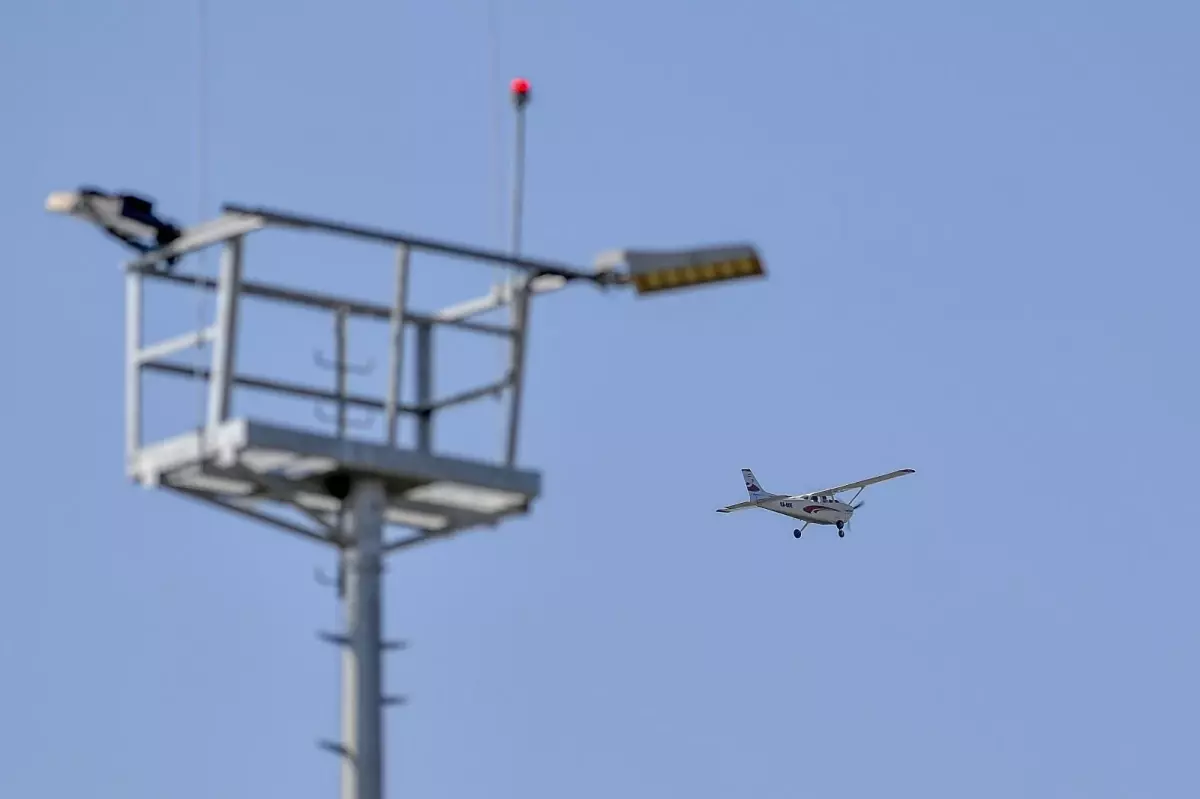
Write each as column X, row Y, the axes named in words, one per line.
column 396, row 360
column 424, row 386
column 133, row 364
column 220, row 385
column 516, row 370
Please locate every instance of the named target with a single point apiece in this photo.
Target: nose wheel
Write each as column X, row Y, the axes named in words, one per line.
column 841, row 530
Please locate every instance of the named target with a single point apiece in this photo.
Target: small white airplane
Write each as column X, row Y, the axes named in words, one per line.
column 815, row 507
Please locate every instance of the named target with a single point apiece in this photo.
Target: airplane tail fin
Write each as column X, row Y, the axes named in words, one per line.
column 753, row 487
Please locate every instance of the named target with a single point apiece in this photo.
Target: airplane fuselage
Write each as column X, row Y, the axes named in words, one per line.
column 823, row 510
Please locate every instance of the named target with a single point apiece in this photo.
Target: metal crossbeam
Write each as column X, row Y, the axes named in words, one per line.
column 381, row 236
column 277, row 386
column 216, row 501
column 173, row 345
column 330, row 302
column 325, row 395
column 223, row 228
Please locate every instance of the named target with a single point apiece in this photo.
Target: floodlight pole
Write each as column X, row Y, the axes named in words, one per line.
column 362, row 669
column 346, row 491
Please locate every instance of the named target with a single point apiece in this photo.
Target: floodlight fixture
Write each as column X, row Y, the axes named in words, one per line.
column 652, row 271
column 129, row 218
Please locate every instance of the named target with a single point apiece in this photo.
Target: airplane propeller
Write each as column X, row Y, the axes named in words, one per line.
column 853, row 507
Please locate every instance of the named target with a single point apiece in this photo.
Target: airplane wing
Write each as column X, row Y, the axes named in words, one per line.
column 861, row 483
column 738, row 506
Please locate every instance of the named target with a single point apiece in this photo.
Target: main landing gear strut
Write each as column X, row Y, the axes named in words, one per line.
column 840, row 528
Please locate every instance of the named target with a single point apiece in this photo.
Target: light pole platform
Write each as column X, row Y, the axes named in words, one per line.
column 253, row 467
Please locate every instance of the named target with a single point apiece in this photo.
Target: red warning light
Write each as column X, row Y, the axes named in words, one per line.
column 520, row 90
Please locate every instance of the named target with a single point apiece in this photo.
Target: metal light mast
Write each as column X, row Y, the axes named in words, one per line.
column 337, row 490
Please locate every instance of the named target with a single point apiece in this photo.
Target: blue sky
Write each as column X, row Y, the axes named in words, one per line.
column 979, row 223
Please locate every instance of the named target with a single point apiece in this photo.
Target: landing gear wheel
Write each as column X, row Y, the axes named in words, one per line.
column 841, row 533
column 796, row 533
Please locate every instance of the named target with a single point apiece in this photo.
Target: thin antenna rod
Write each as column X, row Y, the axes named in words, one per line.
column 520, row 98
column 518, row 285
column 201, row 194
